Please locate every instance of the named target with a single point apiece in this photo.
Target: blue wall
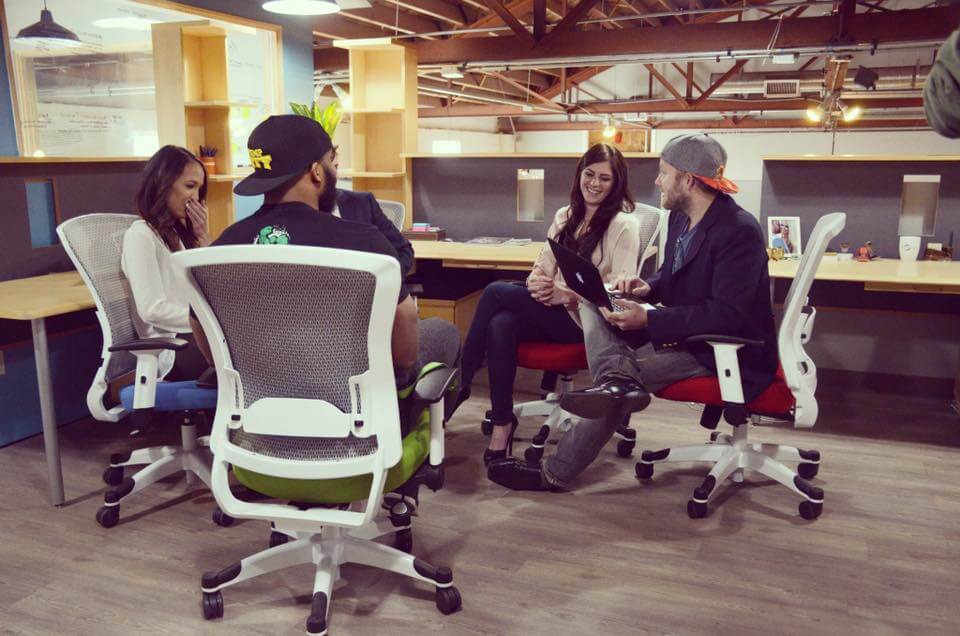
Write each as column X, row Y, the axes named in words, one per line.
column 75, row 354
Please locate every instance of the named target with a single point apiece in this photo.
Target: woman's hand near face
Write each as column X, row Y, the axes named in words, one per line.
column 197, row 214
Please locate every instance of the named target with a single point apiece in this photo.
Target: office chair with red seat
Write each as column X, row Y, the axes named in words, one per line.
column 560, row 362
column 789, row 398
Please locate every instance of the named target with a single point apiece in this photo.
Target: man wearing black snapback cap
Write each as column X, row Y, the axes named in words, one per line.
column 287, row 153
column 713, row 280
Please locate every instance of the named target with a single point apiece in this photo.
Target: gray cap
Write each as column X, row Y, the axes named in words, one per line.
column 941, row 92
column 702, row 156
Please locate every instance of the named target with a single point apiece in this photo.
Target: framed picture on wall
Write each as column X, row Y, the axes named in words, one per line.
column 784, row 232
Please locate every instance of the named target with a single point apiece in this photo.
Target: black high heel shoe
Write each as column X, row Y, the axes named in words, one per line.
column 491, row 455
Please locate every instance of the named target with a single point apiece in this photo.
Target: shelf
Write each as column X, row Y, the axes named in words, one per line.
column 370, row 175
column 396, row 110
column 862, row 158
column 32, row 160
column 518, row 155
column 218, row 103
column 218, row 178
column 367, row 44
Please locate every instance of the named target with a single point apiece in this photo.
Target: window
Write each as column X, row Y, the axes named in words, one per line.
column 98, row 98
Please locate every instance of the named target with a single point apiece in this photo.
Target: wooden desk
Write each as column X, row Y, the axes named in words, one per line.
column 890, row 275
column 36, row 299
column 471, row 256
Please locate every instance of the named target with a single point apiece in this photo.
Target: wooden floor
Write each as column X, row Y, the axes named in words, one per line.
column 613, row 557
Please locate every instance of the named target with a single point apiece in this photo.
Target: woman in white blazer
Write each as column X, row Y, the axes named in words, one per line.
column 170, row 200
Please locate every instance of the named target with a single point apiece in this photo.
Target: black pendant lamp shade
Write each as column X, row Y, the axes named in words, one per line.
column 47, row 29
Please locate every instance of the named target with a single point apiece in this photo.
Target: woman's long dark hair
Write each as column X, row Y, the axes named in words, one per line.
column 619, row 199
column 161, row 172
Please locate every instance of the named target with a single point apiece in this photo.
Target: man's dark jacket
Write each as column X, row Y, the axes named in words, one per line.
column 722, row 287
column 362, row 207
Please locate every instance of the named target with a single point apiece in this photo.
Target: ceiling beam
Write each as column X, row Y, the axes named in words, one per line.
column 667, row 85
column 390, row 20
column 539, row 19
column 433, row 9
column 580, row 76
column 569, row 21
column 900, row 26
column 336, row 27
column 661, row 106
column 510, row 19
column 710, row 18
column 501, row 91
column 739, row 64
column 526, row 125
column 535, row 95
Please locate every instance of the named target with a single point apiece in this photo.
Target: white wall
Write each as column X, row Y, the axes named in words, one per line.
column 746, row 149
column 552, row 141
column 470, row 141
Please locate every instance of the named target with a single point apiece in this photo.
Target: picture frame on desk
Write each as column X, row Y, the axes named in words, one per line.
column 783, row 232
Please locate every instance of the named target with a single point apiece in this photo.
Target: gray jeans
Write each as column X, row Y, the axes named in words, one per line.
column 610, row 356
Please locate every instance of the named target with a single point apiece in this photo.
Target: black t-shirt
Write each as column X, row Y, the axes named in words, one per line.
column 299, row 224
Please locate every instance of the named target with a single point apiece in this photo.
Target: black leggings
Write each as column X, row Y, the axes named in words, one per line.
column 507, row 316
column 189, row 363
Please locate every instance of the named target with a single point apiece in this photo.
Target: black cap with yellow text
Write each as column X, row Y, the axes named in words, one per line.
column 282, row 147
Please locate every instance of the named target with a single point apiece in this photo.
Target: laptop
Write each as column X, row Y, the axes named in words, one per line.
column 582, row 277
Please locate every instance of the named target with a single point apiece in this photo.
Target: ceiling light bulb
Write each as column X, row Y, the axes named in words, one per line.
column 302, row 7
column 815, row 113
column 852, row 113
column 609, row 131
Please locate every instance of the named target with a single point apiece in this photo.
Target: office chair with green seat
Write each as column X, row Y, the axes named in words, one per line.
column 308, row 412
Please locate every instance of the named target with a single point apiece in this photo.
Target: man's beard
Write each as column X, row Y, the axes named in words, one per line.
column 328, row 198
column 675, row 201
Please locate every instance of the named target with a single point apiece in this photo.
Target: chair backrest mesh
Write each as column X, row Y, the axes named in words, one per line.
column 95, row 245
column 649, row 218
column 394, row 211
column 293, row 331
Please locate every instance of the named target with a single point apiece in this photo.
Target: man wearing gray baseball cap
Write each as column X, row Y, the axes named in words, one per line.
column 713, row 280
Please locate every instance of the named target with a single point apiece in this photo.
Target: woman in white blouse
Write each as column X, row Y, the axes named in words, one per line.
column 597, row 225
column 170, row 200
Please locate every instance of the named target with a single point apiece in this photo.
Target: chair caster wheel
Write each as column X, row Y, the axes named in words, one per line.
column 714, row 436
column 808, row 470
column 278, row 538
column 448, row 599
column 625, row 447
column 810, row 510
column 212, row 605
column 403, row 540
column 644, row 471
column 696, row 510
column 113, row 475
column 222, row 519
column 108, row 516
column 533, row 455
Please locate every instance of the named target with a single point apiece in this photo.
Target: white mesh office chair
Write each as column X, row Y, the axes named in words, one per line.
column 394, row 210
column 94, row 243
column 789, row 398
column 307, row 411
column 560, row 362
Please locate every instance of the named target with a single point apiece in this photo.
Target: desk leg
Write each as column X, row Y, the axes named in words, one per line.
column 51, row 441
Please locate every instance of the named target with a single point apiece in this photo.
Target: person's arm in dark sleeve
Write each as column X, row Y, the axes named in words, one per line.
column 654, row 281
column 736, row 273
column 401, row 246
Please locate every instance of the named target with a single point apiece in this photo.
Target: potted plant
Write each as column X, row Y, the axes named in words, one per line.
column 208, row 156
column 328, row 117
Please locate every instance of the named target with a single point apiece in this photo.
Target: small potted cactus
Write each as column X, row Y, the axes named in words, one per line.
column 208, row 157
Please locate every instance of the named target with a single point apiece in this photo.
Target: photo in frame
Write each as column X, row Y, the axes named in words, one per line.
column 783, row 232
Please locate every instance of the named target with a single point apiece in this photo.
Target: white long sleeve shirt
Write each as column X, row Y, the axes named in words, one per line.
column 162, row 308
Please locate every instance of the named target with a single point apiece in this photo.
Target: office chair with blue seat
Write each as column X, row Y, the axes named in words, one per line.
column 308, row 413
column 94, row 243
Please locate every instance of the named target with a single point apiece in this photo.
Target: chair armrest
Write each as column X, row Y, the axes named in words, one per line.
column 728, row 363
column 433, row 385
column 146, row 344
column 722, row 339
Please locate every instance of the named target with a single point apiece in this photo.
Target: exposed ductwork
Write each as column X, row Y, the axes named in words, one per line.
column 785, row 84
